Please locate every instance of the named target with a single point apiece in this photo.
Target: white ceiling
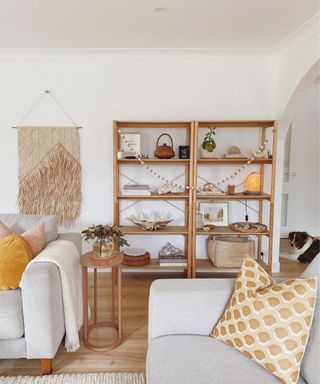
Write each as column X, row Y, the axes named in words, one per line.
column 215, row 24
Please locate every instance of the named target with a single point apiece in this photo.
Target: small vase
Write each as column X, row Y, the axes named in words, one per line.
column 207, row 155
column 103, row 248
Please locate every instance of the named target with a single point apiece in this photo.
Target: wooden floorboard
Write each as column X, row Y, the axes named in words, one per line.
column 131, row 354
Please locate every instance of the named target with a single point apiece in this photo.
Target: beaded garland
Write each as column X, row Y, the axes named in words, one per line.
column 222, row 181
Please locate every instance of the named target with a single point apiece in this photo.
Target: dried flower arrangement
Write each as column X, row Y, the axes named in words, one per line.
column 103, row 236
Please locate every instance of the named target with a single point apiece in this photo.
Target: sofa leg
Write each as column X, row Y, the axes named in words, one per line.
column 46, row 366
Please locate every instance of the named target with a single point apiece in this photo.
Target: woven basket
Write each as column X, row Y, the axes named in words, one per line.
column 229, row 251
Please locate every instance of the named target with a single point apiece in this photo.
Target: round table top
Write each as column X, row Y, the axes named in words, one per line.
column 104, row 262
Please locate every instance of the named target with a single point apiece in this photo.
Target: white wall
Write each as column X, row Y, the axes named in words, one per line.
column 304, row 166
column 97, row 90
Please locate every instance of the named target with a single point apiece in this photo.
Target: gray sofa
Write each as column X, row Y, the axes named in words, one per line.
column 182, row 313
column 32, row 319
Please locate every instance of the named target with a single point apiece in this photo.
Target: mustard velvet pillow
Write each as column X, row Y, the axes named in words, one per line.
column 15, row 254
column 269, row 323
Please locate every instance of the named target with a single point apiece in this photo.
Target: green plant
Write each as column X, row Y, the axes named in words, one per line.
column 209, row 143
column 102, row 232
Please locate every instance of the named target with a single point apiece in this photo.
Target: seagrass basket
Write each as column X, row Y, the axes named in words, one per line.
column 229, row 251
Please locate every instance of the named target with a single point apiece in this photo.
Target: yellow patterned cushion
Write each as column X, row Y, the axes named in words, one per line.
column 15, row 254
column 269, row 323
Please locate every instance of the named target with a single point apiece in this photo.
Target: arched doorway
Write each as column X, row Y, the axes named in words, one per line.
column 284, row 124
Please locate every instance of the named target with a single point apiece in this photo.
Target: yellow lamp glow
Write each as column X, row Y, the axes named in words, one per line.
column 252, row 184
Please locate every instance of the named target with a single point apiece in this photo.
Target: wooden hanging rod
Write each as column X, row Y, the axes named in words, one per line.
column 68, row 126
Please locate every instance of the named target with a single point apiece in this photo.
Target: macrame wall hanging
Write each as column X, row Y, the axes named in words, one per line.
column 49, row 169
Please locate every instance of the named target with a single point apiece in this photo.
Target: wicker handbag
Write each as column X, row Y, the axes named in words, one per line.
column 229, row 251
column 164, row 151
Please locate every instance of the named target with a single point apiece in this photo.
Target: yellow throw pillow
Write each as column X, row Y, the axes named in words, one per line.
column 269, row 323
column 15, row 254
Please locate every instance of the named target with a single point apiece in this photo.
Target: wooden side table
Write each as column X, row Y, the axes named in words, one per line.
column 115, row 264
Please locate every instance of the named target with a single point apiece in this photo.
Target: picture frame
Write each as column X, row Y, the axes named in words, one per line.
column 215, row 213
column 130, row 141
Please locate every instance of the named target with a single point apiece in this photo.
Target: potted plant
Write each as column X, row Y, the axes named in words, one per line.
column 209, row 144
column 104, row 237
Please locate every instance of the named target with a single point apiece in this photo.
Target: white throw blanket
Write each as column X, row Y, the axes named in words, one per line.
column 65, row 256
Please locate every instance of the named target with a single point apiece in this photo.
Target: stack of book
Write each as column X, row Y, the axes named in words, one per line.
column 171, row 256
column 136, row 189
column 173, row 261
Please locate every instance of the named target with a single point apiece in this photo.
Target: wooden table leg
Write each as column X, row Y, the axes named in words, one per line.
column 85, row 302
column 95, row 289
column 119, row 302
column 114, row 282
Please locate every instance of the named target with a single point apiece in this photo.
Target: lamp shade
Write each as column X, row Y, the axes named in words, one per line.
column 252, row 183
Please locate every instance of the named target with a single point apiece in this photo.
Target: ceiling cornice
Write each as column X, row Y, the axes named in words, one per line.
column 303, row 33
column 307, row 31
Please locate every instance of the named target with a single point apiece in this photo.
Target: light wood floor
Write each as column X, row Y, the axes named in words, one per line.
column 128, row 357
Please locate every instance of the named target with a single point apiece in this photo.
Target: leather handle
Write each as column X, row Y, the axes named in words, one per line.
column 165, row 134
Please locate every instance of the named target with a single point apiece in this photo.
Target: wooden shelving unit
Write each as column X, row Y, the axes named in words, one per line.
column 205, row 264
column 186, row 229
column 191, row 198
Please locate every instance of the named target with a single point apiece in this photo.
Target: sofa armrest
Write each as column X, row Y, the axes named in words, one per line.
column 42, row 310
column 187, row 306
column 74, row 237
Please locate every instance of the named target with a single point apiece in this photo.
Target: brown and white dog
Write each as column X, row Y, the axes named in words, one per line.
column 303, row 247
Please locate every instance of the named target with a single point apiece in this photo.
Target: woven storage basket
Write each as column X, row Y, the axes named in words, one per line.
column 229, row 251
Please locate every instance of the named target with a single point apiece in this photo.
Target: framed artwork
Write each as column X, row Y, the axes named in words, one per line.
column 214, row 213
column 130, row 140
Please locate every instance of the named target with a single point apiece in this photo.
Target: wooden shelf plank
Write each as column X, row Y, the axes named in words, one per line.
column 154, row 264
column 157, row 161
column 170, row 196
column 237, row 124
column 237, row 196
column 153, row 124
column 234, row 161
column 228, row 231
column 169, row 230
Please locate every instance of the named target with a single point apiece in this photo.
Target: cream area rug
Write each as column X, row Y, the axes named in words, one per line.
column 78, row 378
column 50, row 172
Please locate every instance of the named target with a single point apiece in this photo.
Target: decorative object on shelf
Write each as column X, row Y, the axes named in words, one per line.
column 169, row 188
column 199, row 220
column 215, row 213
column 260, row 154
column 229, row 251
column 164, row 151
column 104, row 237
column 130, row 144
column 247, row 226
column 171, row 256
column 153, row 221
column 208, row 145
column 136, row 190
column 184, row 152
column 208, row 227
column 252, row 184
column 209, row 188
column 231, row 189
column 144, row 156
column 135, row 257
column 234, row 152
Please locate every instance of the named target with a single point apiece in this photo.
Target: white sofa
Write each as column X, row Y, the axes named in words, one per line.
column 182, row 313
column 32, row 319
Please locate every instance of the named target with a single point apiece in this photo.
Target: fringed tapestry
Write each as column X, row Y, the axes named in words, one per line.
column 50, row 172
